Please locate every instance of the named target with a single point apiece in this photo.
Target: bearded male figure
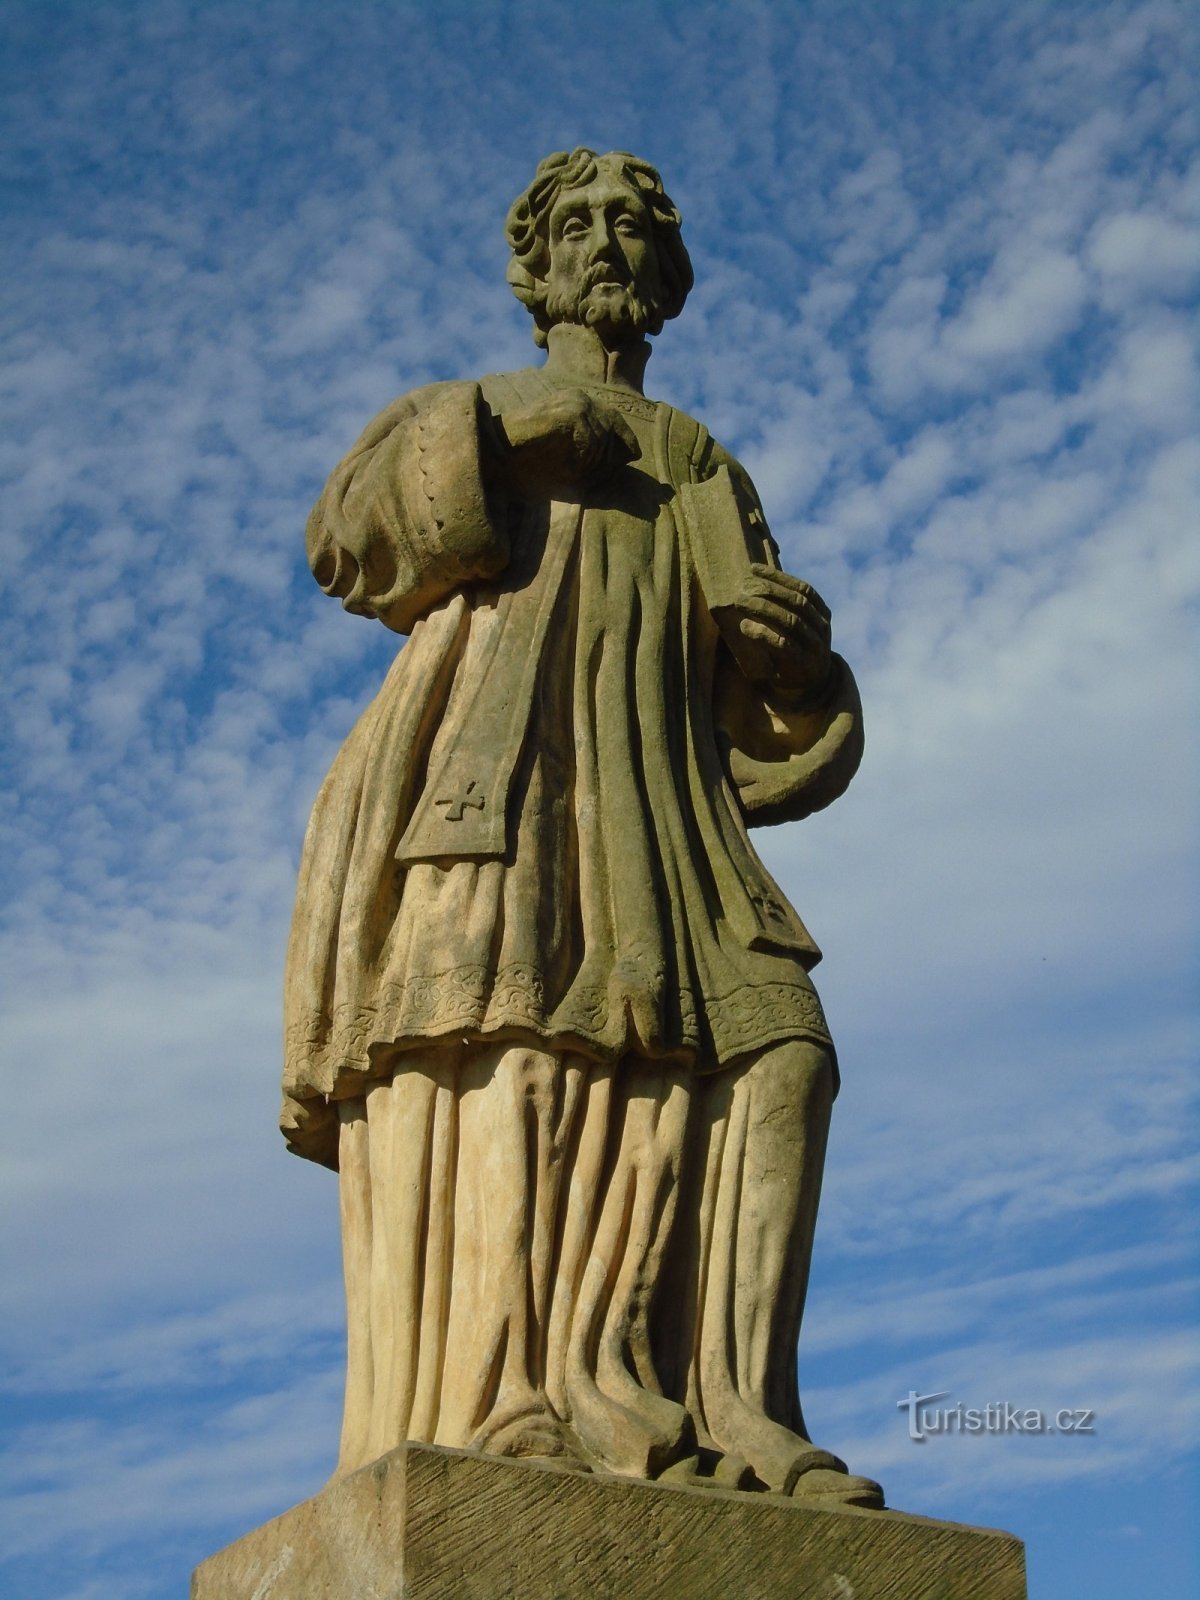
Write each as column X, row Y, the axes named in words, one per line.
column 547, row 1013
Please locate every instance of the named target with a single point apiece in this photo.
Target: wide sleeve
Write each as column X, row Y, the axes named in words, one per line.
column 405, row 519
column 785, row 763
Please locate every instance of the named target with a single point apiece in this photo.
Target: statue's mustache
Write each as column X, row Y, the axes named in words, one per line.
column 603, row 272
column 573, row 301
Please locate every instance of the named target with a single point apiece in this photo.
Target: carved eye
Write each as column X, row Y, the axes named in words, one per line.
column 574, row 228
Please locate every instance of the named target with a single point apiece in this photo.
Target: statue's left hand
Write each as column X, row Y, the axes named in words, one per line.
column 778, row 631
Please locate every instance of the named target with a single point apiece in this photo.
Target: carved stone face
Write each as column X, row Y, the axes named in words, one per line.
column 603, row 261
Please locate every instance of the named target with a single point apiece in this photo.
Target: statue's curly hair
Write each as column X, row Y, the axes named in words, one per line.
column 528, row 229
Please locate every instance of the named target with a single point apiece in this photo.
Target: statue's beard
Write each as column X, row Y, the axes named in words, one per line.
column 599, row 302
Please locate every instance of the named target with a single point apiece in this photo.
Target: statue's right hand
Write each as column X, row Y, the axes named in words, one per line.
column 565, row 441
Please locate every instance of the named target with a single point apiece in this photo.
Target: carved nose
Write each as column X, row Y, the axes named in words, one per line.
column 606, row 259
column 604, row 243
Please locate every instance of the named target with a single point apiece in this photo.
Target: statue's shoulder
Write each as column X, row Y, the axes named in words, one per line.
column 428, row 394
column 692, row 450
column 414, row 403
column 501, row 389
column 708, row 452
column 696, row 457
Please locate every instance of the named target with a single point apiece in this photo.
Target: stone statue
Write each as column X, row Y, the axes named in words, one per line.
column 548, row 1015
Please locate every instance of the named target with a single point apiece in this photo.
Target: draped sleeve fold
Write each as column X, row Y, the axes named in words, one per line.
column 405, row 520
column 786, row 763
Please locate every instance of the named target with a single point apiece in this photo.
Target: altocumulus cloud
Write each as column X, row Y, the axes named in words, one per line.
column 947, row 270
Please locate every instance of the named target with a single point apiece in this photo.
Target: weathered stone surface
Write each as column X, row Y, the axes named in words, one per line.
column 429, row 1524
column 547, row 1012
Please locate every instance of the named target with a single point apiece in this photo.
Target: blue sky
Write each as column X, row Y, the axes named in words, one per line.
column 947, row 267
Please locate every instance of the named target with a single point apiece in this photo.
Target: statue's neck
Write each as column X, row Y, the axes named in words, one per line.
column 579, row 355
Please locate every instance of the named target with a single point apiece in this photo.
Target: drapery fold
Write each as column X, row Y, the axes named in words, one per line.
column 543, row 1254
column 537, row 831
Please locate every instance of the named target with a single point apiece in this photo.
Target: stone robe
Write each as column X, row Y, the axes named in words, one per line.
column 530, row 925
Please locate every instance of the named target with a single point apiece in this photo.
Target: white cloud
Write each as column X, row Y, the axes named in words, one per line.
column 241, row 1462
column 1146, row 252
column 943, row 312
column 1020, row 311
column 1123, row 1382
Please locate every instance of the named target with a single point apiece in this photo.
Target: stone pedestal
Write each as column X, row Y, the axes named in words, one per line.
column 426, row 1524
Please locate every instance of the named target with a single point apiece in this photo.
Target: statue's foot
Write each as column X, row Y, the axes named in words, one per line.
column 822, row 1479
column 809, row 1481
column 533, row 1436
column 828, row 1487
column 642, row 1435
column 709, row 1469
column 787, row 1463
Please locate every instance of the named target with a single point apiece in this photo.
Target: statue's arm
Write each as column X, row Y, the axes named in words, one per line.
column 787, row 706
column 406, row 518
